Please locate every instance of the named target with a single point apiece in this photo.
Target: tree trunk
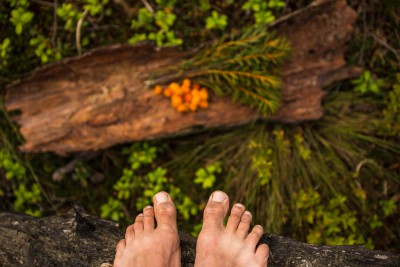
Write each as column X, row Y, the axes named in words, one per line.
column 76, row 240
column 99, row 99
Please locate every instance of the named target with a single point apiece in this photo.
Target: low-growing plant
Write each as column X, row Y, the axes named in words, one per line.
column 113, row 209
column 70, row 14
column 157, row 26
column 97, row 7
column 391, row 114
column 20, row 17
column 207, row 176
column 5, row 48
column 140, row 182
column 81, row 174
column 318, row 159
column 263, row 10
column 216, row 21
column 44, row 49
column 366, row 83
column 27, row 193
column 328, row 223
column 27, row 199
column 388, row 207
column 262, row 162
column 12, row 168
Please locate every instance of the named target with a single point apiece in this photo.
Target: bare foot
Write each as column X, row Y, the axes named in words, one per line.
column 144, row 245
column 231, row 245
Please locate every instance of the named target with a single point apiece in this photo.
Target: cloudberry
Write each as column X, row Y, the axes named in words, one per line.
column 184, row 98
column 157, row 90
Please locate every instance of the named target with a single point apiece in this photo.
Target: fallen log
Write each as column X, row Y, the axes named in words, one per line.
column 99, row 99
column 76, row 239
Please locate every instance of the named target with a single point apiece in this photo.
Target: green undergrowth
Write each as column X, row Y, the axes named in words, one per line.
column 139, row 183
column 332, row 181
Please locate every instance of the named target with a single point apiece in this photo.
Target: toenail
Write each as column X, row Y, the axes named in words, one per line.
column 161, row 197
column 140, row 215
column 248, row 213
column 241, row 206
column 148, row 207
column 218, row 196
column 259, row 226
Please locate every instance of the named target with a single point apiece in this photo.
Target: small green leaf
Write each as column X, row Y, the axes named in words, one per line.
column 26, row 17
column 367, row 75
column 18, row 28
column 201, row 173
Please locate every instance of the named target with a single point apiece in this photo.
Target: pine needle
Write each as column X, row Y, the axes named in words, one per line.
column 245, row 66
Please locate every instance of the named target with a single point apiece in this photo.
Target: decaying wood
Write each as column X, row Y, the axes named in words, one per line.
column 99, row 99
column 76, row 240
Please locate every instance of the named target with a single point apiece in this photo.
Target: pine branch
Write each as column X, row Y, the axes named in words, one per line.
column 245, row 66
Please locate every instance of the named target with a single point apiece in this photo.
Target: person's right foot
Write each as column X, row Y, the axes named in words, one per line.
column 231, row 245
column 146, row 245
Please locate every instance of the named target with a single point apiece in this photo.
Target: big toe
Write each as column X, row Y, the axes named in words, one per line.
column 262, row 254
column 164, row 210
column 216, row 210
column 119, row 251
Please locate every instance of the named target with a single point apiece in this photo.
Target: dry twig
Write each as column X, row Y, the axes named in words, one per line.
column 148, row 6
column 387, row 46
column 78, row 32
column 55, row 24
column 44, row 3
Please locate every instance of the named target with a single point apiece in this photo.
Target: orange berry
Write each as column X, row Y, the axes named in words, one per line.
column 168, row 92
column 186, row 83
column 196, row 86
column 193, row 107
column 175, row 88
column 157, row 90
column 195, row 100
column 182, row 108
column 182, row 91
column 203, row 94
column 203, row 104
column 176, row 100
column 187, row 97
column 185, row 89
column 195, row 92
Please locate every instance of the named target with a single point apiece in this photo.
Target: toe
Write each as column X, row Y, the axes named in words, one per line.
column 255, row 235
column 120, row 247
column 138, row 225
column 216, row 210
column 244, row 225
column 130, row 232
column 234, row 218
column 148, row 218
column 262, row 254
column 164, row 210
column 119, row 251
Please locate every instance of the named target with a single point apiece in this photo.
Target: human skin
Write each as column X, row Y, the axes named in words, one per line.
column 147, row 245
column 217, row 245
column 230, row 245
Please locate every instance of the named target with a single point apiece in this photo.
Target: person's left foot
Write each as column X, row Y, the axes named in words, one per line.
column 145, row 245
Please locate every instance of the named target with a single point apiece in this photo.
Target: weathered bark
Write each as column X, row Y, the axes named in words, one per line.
column 81, row 240
column 98, row 100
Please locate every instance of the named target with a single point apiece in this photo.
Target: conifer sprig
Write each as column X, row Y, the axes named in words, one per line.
column 245, row 66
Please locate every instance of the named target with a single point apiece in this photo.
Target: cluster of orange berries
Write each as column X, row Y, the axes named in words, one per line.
column 183, row 97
